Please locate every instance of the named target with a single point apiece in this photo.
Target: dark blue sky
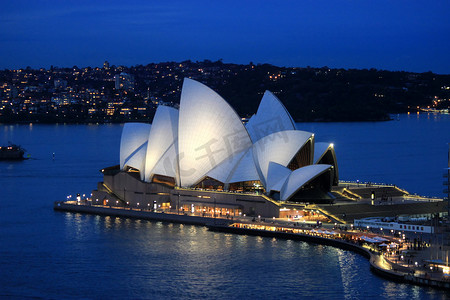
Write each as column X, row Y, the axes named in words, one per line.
column 386, row 34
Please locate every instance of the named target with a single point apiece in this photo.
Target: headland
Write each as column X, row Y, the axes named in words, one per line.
column 201, row 164
column 408, row 256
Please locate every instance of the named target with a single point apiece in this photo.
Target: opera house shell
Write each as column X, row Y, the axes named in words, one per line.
column 205, row 146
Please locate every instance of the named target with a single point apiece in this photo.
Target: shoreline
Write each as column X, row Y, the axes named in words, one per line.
column 378, row 264
column 103, row 122
column 133, row 213
column 376, row 261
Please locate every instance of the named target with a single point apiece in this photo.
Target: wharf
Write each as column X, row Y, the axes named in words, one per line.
column 134, row 213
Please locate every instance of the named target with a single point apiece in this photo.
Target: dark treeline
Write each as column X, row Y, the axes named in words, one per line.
column 324, row 94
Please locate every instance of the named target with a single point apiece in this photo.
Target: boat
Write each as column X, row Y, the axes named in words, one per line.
column 11, row 152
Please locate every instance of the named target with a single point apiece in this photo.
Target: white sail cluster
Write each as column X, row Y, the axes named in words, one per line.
column 206, row 138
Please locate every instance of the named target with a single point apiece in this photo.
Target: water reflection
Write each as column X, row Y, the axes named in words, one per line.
column 118, row 222
column 184, row 261
column 46, row 254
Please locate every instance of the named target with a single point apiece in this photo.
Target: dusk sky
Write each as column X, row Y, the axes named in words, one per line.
column 392, row 35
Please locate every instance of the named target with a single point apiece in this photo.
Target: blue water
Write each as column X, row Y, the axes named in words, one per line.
column 411, row 153
column 53, row 255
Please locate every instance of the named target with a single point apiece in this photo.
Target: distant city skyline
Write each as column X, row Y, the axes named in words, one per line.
column 391, row 35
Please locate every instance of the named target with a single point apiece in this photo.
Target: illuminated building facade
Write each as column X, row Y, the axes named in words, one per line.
column 201, row 157
column 124, row 81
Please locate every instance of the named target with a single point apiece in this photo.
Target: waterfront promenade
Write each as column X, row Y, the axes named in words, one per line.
column 392, row 257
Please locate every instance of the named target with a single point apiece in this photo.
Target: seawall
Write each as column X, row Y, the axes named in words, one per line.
column 135, row 214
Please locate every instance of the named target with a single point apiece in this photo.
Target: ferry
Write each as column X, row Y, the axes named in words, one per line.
column 11, row 152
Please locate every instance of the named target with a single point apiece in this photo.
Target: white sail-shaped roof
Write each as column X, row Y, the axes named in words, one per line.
column 206, row 138
column 167, row 165
column 163, row 134
column 133, row 145
column 299, row 178
column 222, row 172
column 245, row 170
column 279, row 147
column 279, row 185
column 276, row 176
column 137, row 160
column 319, row 150
column 209, row 132
column 271, row 117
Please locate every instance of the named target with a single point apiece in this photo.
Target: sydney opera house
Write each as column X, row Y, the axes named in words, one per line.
column 202, row 158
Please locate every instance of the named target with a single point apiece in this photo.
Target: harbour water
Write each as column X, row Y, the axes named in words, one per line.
column 47, row 254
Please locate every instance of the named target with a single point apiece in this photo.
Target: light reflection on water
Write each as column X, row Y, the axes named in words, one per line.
column 47, row 254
